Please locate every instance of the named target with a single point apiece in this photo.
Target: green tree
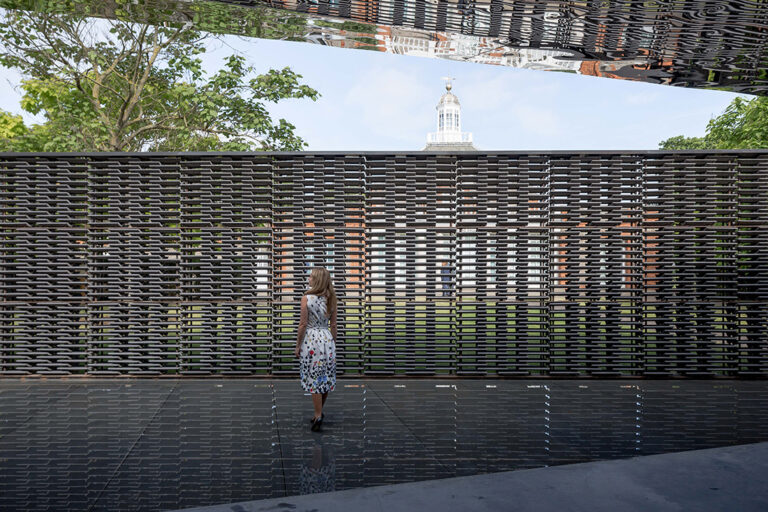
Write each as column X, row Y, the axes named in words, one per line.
column 682, row 142
column 743, row 125
column 11, row 126
column 118, row 85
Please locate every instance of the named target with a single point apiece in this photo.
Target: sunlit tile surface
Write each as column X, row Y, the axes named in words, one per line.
column 159, row 444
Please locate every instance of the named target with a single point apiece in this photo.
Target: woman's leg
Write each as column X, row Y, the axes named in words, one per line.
column 317, row 402
column 325, row 395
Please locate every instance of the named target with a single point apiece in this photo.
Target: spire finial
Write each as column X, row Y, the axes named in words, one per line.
column 448, row 85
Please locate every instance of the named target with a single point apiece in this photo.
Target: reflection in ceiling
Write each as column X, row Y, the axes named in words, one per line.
column 709, row 44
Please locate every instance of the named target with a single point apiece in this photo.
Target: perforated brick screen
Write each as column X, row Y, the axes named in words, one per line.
column 502, row 264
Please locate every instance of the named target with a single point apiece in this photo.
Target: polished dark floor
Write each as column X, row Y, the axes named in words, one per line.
column 85, row 444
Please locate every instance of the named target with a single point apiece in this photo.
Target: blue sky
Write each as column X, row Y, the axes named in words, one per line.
column 378, row 101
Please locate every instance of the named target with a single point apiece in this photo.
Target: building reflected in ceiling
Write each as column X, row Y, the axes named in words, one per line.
column 703, row 44
column 709, row 43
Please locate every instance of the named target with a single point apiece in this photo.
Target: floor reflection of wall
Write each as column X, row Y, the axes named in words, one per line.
column 81, row 444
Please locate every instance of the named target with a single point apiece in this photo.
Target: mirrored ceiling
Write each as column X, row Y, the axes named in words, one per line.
column 708, row 44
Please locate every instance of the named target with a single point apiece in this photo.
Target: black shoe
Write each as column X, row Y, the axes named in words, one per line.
column 316, row 424
column 322, row 417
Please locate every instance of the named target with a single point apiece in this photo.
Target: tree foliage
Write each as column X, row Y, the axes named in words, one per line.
column 743, row 125
column 118, row 85
column 11, row 126
column 682, row 142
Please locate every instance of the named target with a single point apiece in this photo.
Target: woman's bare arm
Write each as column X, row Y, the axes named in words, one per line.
column 333, row 323
column 302, row 320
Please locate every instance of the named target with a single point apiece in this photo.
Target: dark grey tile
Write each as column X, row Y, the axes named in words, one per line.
column 213, row 441
column 73, row 439
column 155, row 444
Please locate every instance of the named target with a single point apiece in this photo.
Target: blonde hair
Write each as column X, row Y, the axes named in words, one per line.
column 323, row 287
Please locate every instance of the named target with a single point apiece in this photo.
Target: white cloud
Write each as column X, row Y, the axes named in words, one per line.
column 536, row 120
column 520, row 99
column 642, row 97
column 488, row 91
column 391, row 103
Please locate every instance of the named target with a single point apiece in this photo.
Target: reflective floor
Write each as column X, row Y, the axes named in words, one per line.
column 81, row 444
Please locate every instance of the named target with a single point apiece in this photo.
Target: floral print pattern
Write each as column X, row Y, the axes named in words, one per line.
column 318, row 349
column 313, row 480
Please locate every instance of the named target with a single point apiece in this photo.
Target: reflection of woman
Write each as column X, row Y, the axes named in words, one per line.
column 319, row 475
column 316, row 345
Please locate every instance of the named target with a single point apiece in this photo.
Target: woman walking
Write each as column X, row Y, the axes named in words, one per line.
column 316, row 344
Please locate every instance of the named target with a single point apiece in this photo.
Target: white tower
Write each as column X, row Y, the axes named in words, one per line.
column 449, row 135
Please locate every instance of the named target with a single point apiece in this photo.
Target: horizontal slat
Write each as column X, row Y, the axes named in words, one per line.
column 494, row 264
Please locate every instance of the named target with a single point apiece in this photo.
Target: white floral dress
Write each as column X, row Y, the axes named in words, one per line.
column 318, row 349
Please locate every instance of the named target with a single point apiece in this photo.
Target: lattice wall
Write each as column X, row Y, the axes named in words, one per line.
column 506, row 264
